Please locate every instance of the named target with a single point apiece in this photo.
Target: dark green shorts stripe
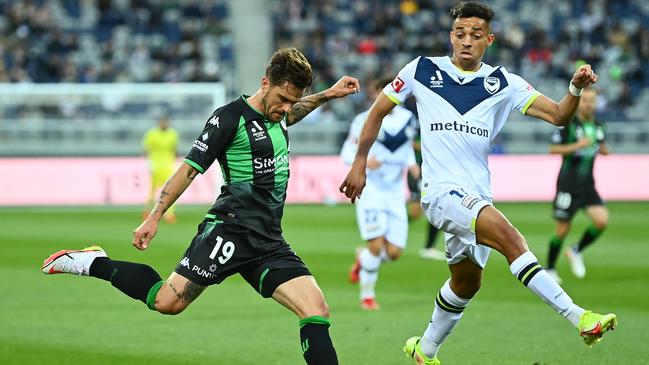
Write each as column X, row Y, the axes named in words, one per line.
column 261, row 279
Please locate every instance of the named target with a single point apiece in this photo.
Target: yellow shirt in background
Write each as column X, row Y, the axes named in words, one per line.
column 160, row 147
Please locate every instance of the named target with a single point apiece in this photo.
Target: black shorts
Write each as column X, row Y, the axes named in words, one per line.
column 221, row 249
column 567, row 203
column 414, row 185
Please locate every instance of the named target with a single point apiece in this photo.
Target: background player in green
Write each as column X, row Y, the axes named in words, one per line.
column 578, row 143
column 242, row 231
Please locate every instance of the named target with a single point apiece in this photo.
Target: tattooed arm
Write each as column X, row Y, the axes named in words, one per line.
column 345, row 86
column 171, row 190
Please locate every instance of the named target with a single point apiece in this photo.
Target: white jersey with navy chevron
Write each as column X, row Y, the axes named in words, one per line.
column 393, row 148
column 460, row 113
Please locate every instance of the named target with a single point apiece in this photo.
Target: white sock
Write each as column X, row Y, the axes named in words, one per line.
column 448, row 311
column 527, row 269
column 369, row 273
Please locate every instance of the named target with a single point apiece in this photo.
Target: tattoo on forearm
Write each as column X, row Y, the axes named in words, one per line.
column 179, row 295
column 305, row 106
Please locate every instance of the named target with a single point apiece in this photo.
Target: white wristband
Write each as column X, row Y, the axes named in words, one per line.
column 574, row 90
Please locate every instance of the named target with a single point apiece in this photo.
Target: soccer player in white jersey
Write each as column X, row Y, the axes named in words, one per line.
column 381, row 214
column 462, row 105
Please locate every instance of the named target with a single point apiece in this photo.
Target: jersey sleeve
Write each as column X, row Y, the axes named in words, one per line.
column 523, row 93
column 350, row 146
column 401, row 87
column 217, row 135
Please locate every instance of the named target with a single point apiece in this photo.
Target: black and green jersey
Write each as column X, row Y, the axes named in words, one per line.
column 253, row 154
column 577, row 168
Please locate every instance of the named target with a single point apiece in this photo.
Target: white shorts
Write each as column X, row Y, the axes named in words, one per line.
column 455, row 211
column 380, row 214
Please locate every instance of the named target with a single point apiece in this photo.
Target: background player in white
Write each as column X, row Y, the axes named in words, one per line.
column 381, row 214
column 462, row 105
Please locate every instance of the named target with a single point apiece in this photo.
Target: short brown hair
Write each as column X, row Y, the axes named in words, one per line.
column 470, row 9
column 290, row 65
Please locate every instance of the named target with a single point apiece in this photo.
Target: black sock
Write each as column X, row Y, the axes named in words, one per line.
column 553, row 254
column 317, row 348
column 138, row 281
column 432, row 234
column 589, row 237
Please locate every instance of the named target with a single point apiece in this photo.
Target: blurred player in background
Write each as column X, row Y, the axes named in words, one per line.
column 429, row 251
column 462, row 104
column 242, row 231
column 381, row 213
column 160, row 145
column 578, row 143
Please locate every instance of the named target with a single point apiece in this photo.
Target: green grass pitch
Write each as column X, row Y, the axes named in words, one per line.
column 73, row 320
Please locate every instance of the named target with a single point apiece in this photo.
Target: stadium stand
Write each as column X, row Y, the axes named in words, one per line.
column 542, row 43
column 97, row 42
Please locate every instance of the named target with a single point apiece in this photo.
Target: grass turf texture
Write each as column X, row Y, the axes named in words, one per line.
column 72, row 320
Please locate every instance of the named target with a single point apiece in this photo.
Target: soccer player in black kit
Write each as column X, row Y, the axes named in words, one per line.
column 242, row 231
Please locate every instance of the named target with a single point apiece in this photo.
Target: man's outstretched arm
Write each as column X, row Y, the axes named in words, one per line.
column 562, row 112
column 172, row 189
column 343, row 87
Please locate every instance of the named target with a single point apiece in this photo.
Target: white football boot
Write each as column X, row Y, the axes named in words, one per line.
column 75, row 262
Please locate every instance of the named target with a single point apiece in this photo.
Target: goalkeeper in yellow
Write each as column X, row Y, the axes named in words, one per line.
column 160, row 145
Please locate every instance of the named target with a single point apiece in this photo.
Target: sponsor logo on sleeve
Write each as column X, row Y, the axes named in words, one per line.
column 214, row 121
column 398, row 84
column 185, row 262
column 202, row 147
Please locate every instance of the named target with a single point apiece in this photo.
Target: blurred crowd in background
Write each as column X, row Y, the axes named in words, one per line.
column 114, row 41
column 190, row 41
column 541, row 41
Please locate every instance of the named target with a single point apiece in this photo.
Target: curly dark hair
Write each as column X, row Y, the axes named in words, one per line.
column 470, row 9
column 290, row 65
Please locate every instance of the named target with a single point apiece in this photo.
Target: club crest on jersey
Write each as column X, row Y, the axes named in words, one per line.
column 492, row 84
column 436, row 80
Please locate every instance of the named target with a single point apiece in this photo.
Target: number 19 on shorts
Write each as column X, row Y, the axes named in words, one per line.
column 226, row 252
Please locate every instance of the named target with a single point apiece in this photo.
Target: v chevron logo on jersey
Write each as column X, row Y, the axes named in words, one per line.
column 492, row 84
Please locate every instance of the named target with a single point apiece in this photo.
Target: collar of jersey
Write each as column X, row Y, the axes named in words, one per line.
column 244, row 98
column 464, row 71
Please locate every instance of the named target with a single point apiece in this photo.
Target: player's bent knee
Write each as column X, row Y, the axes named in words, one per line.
column 601, row 224
column 319, row 308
